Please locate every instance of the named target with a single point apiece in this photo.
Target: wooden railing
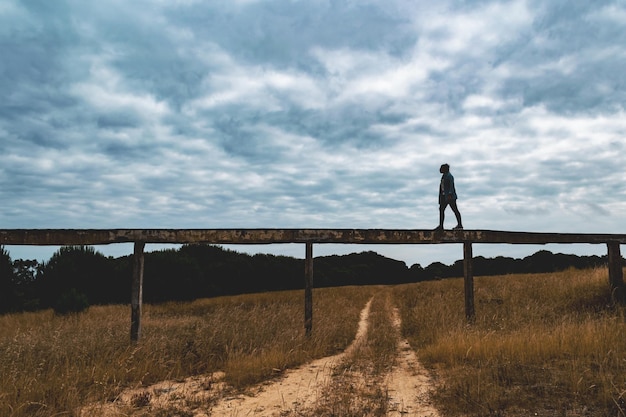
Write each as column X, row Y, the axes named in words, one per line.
column 140, row 237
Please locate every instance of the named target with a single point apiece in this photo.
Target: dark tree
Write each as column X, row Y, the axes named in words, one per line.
column 170, row 276
column 83, row 270
column 7, row 282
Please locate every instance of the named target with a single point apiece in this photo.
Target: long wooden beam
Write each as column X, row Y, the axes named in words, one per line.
column 58, row 237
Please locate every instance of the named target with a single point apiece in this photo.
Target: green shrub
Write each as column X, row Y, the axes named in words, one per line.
column 71, row 302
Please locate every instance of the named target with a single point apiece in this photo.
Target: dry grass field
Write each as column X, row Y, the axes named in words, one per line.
column 544, row 344
column 53, row 365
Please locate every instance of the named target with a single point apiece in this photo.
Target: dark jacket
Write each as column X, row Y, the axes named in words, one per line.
column 446, row 188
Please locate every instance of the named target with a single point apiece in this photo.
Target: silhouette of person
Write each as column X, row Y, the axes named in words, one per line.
column 447, row 197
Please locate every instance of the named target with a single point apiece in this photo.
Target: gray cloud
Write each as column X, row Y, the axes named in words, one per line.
column 312, row 114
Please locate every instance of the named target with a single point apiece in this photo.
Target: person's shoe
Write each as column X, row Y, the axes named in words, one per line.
column 458, row 227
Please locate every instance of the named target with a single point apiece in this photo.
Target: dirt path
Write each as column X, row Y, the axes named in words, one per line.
column 298, row 389
column 408, row 386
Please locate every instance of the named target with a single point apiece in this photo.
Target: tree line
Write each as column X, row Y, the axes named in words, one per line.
column 77, row 276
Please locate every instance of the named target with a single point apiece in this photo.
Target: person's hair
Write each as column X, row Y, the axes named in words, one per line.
column 445, row 168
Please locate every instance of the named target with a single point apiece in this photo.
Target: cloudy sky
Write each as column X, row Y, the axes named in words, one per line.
column 314, row 114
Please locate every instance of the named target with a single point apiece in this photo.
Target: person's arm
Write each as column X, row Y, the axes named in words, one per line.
column 447, row 186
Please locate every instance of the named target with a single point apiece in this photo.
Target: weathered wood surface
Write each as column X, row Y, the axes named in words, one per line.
column 60, row 237
column 267, row 236
column 136, row 298
column 616, row 278
column 308, row 289
column 468, row 281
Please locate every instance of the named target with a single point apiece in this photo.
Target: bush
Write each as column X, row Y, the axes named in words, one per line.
column 71, row 302
column 84, row 269
column 7, row 281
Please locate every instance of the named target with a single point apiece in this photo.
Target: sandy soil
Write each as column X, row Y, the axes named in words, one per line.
column 408, row 387
column 298, row 389
column 409, row 383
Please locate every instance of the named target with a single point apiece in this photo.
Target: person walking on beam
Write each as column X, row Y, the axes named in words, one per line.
column 447, row 197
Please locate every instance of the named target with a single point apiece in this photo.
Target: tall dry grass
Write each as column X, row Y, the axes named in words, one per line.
column 551, row 344
column 52, row 365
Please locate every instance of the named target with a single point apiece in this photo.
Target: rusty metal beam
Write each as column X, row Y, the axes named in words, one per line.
column 58, row 237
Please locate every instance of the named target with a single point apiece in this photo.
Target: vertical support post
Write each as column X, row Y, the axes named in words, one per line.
column 616, row 278
column 468, row 275
column 136, row 292
column 308, row 289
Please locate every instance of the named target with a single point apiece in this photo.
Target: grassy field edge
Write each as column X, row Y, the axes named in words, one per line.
column 548, row 344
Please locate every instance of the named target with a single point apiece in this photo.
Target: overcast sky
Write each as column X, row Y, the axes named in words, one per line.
column 314, row 114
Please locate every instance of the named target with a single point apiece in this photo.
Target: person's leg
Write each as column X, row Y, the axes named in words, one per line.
column 455, row 209
column 442, row 209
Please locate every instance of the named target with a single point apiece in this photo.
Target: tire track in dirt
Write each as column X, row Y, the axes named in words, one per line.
column 409, row 383
column 298, row 389
column 408, row 387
